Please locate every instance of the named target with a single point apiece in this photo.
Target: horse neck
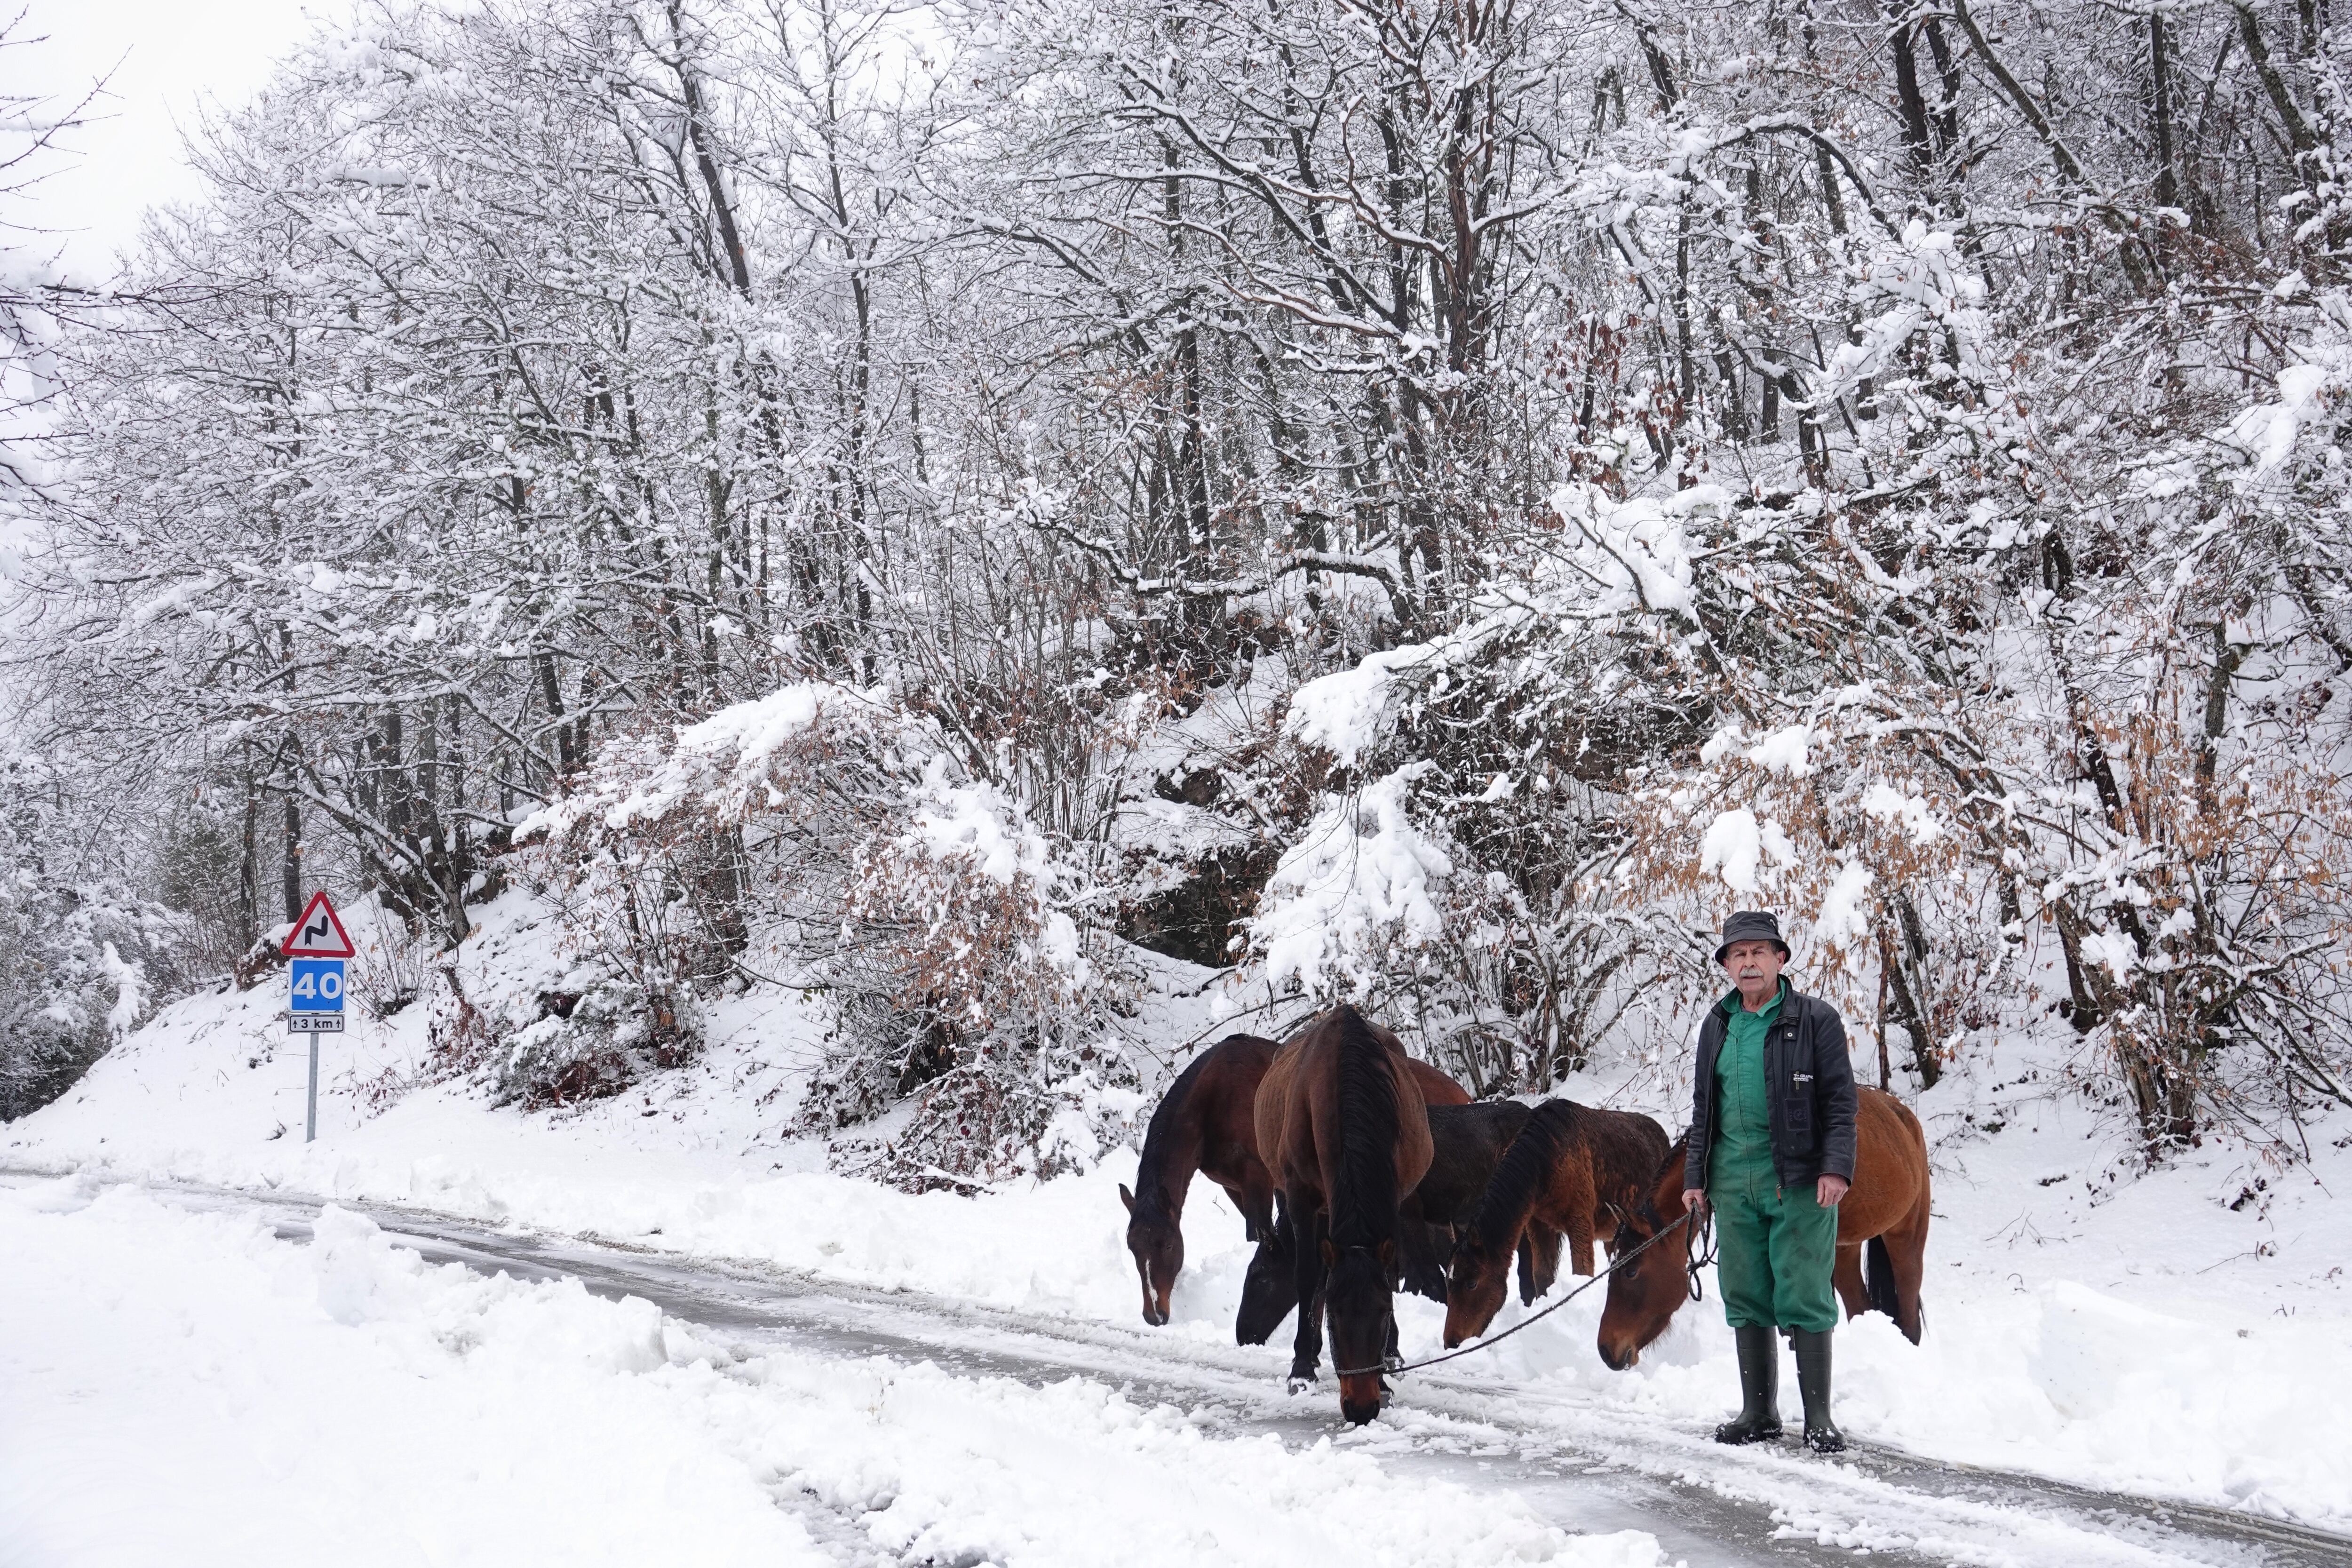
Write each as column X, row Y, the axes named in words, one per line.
column 1624, row 1166
column 1666, row 1191
column 1171, row 1154
column 1516, row 1186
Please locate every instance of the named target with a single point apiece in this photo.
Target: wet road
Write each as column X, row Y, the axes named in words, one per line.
column 1585, row 1468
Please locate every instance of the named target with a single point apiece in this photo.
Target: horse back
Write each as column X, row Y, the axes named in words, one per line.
column 1627, row 1148
column 1277, row 1109
column 1224, row 1107
column 1890, row 1167
column 1437, row 1088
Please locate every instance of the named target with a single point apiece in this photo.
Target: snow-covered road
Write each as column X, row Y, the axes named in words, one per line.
column 1597, row 1474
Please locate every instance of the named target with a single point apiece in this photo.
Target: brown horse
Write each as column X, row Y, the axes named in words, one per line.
column 1344, row 1128
column 1466, row 1142
column 1569, row 1165
column 1206, row 1122
column 1884, row 1214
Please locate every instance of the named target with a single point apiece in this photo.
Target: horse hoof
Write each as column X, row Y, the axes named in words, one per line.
column 1302, row 1384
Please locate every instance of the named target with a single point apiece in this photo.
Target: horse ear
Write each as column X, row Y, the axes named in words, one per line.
column 1387, row 1252
column 1126, row 1197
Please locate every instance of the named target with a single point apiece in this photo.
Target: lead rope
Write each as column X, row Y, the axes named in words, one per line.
column 1692, row 1265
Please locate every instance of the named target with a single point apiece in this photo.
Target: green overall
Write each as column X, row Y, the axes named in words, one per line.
column 1774, row 1249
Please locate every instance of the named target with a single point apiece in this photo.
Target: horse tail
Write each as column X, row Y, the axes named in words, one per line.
column 1364, row 1204
column 1878, row 1278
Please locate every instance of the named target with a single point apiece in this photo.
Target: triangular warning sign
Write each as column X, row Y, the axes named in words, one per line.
column 318, row 934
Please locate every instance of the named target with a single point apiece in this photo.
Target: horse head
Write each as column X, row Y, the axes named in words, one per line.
column 1644, row 1290
column 1476, row 1284
column 1269, row 1289
column 1358, row 1299
column 1158, row 1243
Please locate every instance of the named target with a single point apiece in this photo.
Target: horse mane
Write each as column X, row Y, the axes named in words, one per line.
column 1364, row 1199
column 1150, row 1186
column 1626, row 1147
column 1526, row 1165
column 1678, row 1157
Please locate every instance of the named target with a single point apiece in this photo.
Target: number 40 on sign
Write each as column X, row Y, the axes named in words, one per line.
column 317, row 994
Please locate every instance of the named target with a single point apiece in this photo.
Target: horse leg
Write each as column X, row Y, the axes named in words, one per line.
column 1256, row 1205
column 1545, row 1242
column 1576, row 1202
column 1417, row 1250
column 1846, row 1276
column 1306, row 1229
column 1580, row 1243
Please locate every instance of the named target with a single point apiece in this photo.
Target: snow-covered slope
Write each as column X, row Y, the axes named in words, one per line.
column 2179, row 1333
column 408, row 1413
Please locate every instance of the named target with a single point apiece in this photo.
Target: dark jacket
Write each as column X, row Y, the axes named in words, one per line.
column 1809, row 1085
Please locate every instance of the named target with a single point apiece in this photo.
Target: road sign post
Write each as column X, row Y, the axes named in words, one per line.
column 316, row 948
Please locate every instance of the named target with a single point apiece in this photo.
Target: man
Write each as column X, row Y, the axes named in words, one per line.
column 1771, row 1149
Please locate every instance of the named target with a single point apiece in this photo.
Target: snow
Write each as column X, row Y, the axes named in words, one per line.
column 1635, row 551
column 2175, row 1333
column 975, row 821
column 1917, row 817
column 721, row 763
column 1784, row 750
column 1736, row 844
column 1341, row 712
column 1361, row 874
column 184, row 1387
column 1846, row 910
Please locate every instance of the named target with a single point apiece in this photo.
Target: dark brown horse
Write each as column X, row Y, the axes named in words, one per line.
column 1884, row 1215
column 1466, row 1142
column 1344, row 1130
column 1565, row 1171
column 1206, row 1122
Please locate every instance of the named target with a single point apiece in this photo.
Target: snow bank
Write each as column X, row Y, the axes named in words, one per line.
column 183, row 1388
column 2055, row 1379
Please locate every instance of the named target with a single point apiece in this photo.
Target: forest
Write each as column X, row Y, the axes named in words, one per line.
column 992, row 511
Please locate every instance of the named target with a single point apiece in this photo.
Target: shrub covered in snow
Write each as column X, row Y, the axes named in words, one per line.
column 81, row 959
column 867, row 863
column 593, row 1045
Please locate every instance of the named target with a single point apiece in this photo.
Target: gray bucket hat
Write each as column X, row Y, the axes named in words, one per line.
column 1751, row 925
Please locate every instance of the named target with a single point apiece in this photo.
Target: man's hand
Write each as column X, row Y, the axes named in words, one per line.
column 1829, row 1189
column 1694, row 1200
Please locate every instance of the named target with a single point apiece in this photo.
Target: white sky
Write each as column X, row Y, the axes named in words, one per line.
column 166, row 57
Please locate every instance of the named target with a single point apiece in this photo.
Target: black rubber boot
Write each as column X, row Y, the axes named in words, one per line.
column 1822, row 1435
column 1759, row 1389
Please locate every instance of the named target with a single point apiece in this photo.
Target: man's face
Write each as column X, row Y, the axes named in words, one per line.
column 1754, row 967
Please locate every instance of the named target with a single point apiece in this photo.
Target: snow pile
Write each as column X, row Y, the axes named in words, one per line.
column 1361, row 878
column 2054, row 1378
column 348, row 1402
column 1345, row 713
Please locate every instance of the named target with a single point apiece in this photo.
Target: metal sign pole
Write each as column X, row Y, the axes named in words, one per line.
column 311, row 1119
